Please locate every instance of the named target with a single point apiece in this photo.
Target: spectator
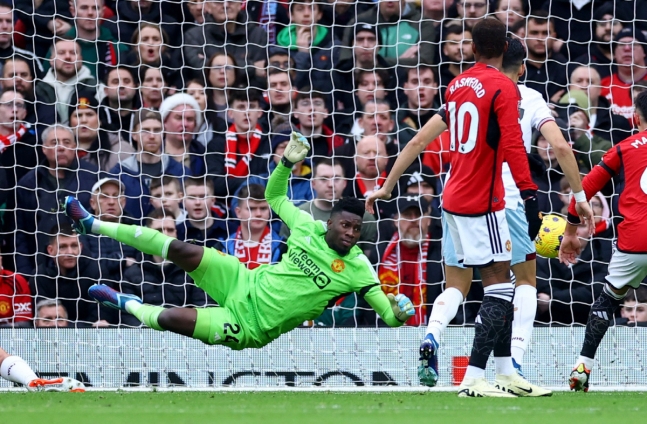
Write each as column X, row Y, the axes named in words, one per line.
column 546, row 70
column 211, row 123
column 311, row 44
column 598, row 54
column 99, row 47
column 341, row 14
column 181, row 117
column 45, row 20
column 403, row 264
column 328, row 184
column 201, row 225
column 422, row 103
column 153, row 88
column 166, row 193
column 221, row 73
column 510, row 11
column 245, row 148
column 254, row 242
column 130, row 14
column 604, row 122
column 565, row 293
column 150, row 47
column 369, row 167
column 470, row 12
column 225, row 30
column 420, row 181
column 629, row 55
column 15, row 298
column 589, row 147
column 107, row 203
column 279, row 58
column 8, row 50
column 271, row 16
column 158, row 281
column 117, row 110
column 18, row 152
column 137, row 171
column 310, row 113
column 405, row 41
column 572, row 22
column 376, row 119
column 634, row 308
column 370, row 85
column 66, row 275
column 66, row 76
column 279, row 97
column 95, row 145
column 365, row 57
column 457, row 54
column 50, row 313
column 40, row 192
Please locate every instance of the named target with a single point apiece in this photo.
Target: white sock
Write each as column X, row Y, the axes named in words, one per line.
column 444, row 310
column 504, row 365
column 474, row 372
column 588, row 362
column 525, row 309
column 15, row 369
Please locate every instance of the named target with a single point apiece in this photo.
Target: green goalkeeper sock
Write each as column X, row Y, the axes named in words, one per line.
column 147, row 314
column 144, row 239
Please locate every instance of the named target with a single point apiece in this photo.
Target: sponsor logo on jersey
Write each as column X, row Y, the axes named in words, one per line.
column 508, row 246
column 301, row 259
column 338, row 265
column 21, row 308
column 5, row 307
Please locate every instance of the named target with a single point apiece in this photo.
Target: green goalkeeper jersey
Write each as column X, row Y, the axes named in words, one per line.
column 311, row 275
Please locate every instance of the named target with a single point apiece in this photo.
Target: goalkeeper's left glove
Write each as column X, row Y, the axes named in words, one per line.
column 402, row 307
column 296, row 150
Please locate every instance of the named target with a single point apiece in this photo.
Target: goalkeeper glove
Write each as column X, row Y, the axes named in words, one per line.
column 296, row 150
column 532, row 212
column 402, row 307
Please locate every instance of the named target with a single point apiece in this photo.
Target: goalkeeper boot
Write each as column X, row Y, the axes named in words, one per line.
column 516, row 384
column 109, row 297
column 579, row 379
column 428, row 368
column 82, row 220
column 479, row 387
column 62, row 384
column 517, row 367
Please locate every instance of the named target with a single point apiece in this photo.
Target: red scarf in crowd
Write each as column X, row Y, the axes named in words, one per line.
column 362, row 186
column 238, row 145
column 10, row 140
column 396, row 263
column 257, row 254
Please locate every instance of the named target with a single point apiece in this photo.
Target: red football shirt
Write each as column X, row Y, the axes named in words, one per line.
column 628, row 157
column 618, row 92
column 15, row 298
column 482, row 114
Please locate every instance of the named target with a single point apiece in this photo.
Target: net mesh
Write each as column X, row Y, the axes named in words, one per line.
column 189, row 105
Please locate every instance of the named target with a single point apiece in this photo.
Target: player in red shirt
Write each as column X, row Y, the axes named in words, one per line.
column 628, row 265
column 482, row 114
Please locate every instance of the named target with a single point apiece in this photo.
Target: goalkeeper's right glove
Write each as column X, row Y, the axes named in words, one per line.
column 532, row 212
column 401, row 306
column 296, row 150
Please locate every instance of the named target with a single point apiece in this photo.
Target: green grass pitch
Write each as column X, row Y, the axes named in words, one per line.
column 318, row 407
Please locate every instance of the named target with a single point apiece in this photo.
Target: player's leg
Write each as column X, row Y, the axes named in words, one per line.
column 524, row 268
column 625, row 271
column 185, row 255
column 16, row 370
column 458, row 280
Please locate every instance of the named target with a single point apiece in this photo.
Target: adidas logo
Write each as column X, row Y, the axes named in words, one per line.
column 138, row 232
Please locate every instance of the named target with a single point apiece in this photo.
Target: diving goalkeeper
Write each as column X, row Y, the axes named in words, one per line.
column 257, row 306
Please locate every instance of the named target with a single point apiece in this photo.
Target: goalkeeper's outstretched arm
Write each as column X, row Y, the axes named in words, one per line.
column 394, row 310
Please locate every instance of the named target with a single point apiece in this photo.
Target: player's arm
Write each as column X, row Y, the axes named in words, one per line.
column 599, row 176
column 566, row 160
column 276, row 192
column 429, row 132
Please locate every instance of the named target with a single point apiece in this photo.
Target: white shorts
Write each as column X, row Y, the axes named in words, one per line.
column 627, row 269
column 479, row 240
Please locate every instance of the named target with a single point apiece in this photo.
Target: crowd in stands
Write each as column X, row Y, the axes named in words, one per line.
column 172, row 114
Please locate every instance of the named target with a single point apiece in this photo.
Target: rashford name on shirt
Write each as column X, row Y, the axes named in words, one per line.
column 470, row 82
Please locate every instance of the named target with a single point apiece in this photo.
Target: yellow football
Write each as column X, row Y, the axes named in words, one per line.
column 550, row 236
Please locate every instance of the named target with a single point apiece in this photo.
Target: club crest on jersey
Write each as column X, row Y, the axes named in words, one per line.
column 338, row 265
column 5, row 307
column 508, row 246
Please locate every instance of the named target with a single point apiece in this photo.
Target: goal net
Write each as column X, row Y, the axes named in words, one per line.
column 173, row 114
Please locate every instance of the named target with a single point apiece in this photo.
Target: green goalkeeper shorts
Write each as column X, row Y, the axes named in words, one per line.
column 234, row 323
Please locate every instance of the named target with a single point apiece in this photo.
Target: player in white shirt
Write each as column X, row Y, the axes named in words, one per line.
column 15, row 369
column 535, row 114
